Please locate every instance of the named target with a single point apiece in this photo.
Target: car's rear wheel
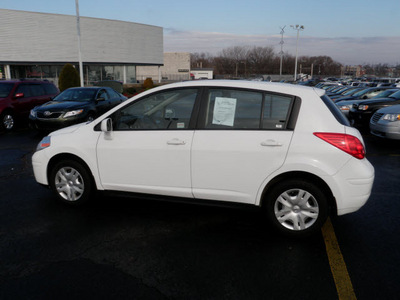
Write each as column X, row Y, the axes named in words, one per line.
column 71, row 181
column 7, row 121
column 296, row 207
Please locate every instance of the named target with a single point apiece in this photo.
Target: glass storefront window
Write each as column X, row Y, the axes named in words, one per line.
column 92, row 73
column 131, row 74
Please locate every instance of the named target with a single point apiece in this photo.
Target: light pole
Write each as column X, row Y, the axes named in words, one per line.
column 281, row 53
column 79, row 41
column 298, row 28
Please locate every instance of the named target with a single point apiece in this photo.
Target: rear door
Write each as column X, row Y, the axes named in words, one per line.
column 245, row 137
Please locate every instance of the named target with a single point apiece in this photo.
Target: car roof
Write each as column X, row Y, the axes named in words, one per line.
column 292, row 89
column 25, row 80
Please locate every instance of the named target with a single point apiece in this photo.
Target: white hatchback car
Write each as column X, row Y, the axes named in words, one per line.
column 285, row 148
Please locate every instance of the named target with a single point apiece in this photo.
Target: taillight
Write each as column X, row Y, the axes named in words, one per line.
column 347, row 143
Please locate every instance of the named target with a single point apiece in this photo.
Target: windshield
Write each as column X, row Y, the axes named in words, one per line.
column 360, row 93
column 5, row 89
column 395, row 95
column 80, row 95
column 384, row 94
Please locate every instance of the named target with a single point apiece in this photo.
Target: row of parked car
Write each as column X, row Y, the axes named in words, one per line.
column 42, row 105
column 375, row 107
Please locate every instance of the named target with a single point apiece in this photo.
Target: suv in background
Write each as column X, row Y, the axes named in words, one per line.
column 18, row 97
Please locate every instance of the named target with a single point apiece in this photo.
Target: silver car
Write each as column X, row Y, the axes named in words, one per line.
column 385, row 122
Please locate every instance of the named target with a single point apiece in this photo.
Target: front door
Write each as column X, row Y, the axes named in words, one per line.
column 149, row 148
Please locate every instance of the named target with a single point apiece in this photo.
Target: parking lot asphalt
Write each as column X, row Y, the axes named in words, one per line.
column 137, row 249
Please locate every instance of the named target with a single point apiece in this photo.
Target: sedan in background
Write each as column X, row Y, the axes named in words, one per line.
column 73, row 106
column 364, row 94
column 361, row 112
column 385, row 123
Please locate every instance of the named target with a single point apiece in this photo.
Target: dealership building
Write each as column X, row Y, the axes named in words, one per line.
column 38, row 45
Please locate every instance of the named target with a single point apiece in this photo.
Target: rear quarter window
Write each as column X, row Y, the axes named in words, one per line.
column 340, row 117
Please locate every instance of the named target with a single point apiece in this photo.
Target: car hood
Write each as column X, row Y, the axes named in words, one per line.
column 348, row 102
column 344, row 99
column 68, row 129
column 61, row 105
column 394, row 109
column 378, row 100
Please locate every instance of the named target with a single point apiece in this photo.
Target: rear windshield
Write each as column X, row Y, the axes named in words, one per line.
column 5, row 89
column 335, row 111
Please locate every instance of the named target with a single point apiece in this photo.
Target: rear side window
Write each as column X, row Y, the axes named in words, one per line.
column 5, row 89
column 37, row 90
column 50, row 89
column 335, row 111
column 240, row 109
column 233, row 109
column 276, row 110
column 112, row 93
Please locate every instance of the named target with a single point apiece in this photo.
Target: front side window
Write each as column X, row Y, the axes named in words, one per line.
column 170, row 109
column 25, row 89
column 103, row 94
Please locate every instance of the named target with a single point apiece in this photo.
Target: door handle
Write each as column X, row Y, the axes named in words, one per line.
column 176, row 142
column 271, row 143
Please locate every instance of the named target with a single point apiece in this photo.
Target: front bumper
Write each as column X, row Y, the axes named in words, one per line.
column 360, row 118
column 386, row 129
column 54, row 124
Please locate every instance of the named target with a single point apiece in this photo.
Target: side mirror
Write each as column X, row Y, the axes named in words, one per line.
column 106, row 125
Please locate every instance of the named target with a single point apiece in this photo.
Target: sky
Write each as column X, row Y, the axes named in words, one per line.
column 352, row 32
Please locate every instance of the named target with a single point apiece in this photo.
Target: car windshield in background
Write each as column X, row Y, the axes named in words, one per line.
column 5, row 89
column 395, row 95
column 385, row 94
column 360, row 93
column 81, row 95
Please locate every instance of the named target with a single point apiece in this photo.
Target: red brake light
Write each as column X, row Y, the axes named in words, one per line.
column 347, row 143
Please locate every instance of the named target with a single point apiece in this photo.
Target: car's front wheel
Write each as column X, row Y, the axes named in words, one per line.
column 71, row 181
column 297, row 207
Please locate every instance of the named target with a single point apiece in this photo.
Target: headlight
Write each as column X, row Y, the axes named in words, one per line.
column 33, row 113
column 362, row 107
column 344, row 107
column 391, row 117
column 73, row 113
column 44, row 143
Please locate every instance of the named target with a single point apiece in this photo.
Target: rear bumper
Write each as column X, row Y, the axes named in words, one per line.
column 352, row 185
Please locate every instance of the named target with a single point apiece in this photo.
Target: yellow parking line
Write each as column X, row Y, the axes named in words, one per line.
column 341, row 277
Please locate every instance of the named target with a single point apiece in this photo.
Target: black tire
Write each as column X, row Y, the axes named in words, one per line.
column 296, row 207
column 71, row 182
column 7, row 120
column 90, row 117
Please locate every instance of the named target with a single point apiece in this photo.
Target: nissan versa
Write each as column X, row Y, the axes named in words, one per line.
column 287, row 149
